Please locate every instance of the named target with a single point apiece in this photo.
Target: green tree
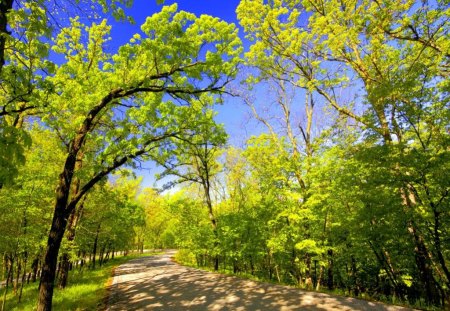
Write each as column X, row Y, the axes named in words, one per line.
column 24, row 205
column 194, row 160
column 389, row 60
column 158, row 219
column 26, row 28
column 125, row 109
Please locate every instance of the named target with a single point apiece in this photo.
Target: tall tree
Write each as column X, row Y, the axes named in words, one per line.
column 126, row 108
column 26, row 28
column 194, row 159
column 393, row 56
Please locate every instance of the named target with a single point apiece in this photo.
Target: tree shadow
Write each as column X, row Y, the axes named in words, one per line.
column 158, row 284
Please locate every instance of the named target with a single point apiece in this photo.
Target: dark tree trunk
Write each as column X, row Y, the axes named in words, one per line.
column 107, row 256
column 55, row 237
column 354, row 276
column 94, row 250
column 75, row 216
column 58, row 268
column 207, row 190
column 424, row 267
column 64, row 271
column 330, row 281
column 102, row 255
column 71, row 230
column 315, row 278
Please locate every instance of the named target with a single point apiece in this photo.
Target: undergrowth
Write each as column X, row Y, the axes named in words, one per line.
column 86, row 289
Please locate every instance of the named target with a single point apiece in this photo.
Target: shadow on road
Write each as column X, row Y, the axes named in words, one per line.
column 156, row 283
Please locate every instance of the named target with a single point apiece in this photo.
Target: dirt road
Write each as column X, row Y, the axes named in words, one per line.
column 156, row 283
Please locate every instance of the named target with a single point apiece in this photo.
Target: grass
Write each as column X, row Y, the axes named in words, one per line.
column 86, row 290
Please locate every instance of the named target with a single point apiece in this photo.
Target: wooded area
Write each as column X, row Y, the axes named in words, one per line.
column 345, row 187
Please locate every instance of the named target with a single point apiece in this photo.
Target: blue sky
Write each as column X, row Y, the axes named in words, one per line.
column 141, row 9
column 232, row 113
column 223, row 9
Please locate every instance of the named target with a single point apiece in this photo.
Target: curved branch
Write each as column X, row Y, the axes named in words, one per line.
column 116, row 164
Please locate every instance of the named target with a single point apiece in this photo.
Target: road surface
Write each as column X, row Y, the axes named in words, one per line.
column 157, row 283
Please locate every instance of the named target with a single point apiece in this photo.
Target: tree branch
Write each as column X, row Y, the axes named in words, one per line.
column 116, row 164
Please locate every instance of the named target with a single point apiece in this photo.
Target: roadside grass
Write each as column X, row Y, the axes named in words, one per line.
column 86, row 290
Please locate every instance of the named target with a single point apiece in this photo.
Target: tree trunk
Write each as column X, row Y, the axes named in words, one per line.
column 102, row 255
column 65, row 261
column 206, row 188
column 55, row 237
column 423, row 266
column 24, row 273
column 319, row 279
column 330, row 281
column 107, row 255
column 94, row 250
column 63, row 209
column 74, row 218
column 64, row 271
column 277, row 273
column 34, row 267
column 354, row 276
column 19, row 269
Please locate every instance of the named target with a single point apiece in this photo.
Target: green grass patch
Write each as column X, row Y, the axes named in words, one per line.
column 86, row 290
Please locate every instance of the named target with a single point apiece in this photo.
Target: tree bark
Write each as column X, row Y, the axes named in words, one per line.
column 64, row 271
column 71, row 230
column 34, row 267
column 102, row 255
column 330, row 279
column 55, row 237
column 94, row 250
column 207, row 189
column 423, row 265
column 73, row 222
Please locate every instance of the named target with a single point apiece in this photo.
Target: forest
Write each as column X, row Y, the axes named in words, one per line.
column 342, row 185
